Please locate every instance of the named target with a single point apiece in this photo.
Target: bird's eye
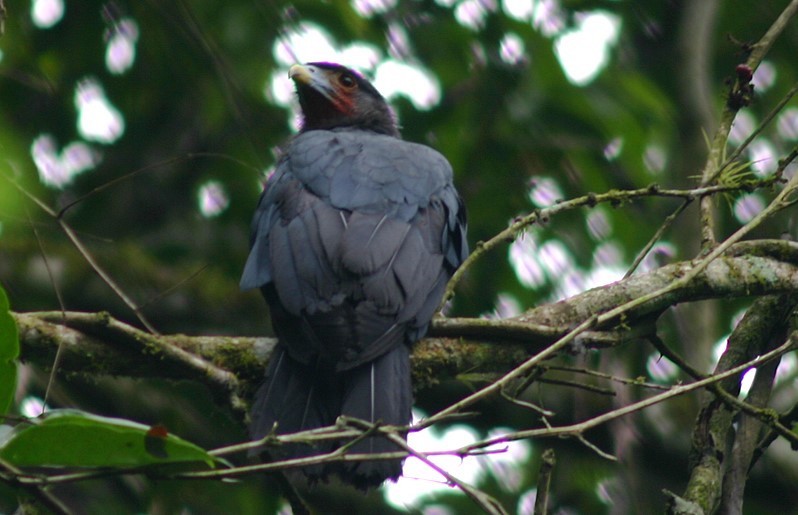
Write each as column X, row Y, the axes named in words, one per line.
column 346, row 80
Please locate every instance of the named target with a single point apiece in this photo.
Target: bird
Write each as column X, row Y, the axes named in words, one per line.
column 353, row 241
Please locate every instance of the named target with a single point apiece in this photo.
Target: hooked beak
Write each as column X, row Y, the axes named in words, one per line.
column 301, row 74
column 312, row 77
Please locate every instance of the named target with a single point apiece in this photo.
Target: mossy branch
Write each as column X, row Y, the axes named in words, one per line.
column 95, row 343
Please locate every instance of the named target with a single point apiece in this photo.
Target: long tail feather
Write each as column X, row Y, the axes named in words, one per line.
column 297, row 397
column 378, row 392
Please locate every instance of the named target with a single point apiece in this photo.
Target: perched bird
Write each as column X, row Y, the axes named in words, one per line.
column 353, row 241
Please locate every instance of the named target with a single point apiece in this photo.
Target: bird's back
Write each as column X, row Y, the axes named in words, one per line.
column 352, row 236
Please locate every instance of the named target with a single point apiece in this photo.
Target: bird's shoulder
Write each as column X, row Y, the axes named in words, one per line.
column 355, row 168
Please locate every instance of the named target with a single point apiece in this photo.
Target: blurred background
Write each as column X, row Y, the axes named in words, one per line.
column 156, row 122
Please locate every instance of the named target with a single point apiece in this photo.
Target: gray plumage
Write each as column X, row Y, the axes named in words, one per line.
column 353, row 241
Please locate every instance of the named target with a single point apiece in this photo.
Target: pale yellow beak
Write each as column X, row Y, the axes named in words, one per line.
column 300, row 73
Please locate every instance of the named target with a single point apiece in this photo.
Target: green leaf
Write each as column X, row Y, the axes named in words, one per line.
column 71, row 438
column 9, row 350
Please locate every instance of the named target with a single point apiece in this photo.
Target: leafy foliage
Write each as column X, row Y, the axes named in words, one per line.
column 71, row 438
column 199, row 107
column 9, row 351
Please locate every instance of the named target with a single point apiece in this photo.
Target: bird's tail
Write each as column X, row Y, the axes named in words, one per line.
column 290, row 399
column 299, row 397
column 379, row 391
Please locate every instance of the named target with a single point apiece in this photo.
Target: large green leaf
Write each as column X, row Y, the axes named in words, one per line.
column 9, row 350
column 70, row 438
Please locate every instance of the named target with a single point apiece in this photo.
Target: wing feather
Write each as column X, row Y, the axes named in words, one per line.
column 359, row 231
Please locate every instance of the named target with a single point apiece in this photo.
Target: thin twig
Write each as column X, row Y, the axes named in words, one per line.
column 594, row 448
column 758, row 130
column 581, row 386
column 166, row 162
column 656, row 237
column 10, row 474
column 483, row 500
column 608, row 377
column 615, row 197
column 59, row 298
column 676, row 391
column 105, row 276
column 547, row 462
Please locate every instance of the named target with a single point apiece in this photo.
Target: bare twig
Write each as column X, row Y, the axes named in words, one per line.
column 166, row 162
column 11, row 475
column 105, row 276
column 581, row 386
column 580, row 428
column 614, row 197
column 59, row 297
column 483, row 500
column 666, row 224
column 525, row 404
column 609, row 377
column 547, row 462
column 593, row 447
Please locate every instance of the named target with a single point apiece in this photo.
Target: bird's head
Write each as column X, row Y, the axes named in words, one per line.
column 332, row 95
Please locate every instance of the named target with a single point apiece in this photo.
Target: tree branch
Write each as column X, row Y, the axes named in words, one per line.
column 739, row 96
column 764, row 322
column 746, row 439
column 95, row 343
column 98, row 344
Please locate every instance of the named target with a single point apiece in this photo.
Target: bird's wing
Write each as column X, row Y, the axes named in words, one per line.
column 359, row 234
column 257, row 270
